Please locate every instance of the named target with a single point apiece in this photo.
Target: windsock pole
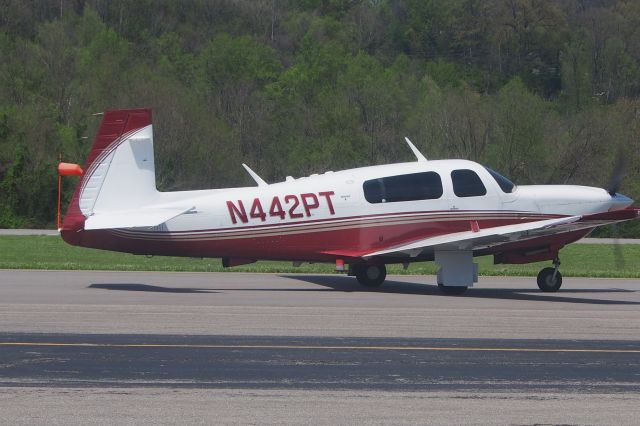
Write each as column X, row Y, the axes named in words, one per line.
column 59, row 196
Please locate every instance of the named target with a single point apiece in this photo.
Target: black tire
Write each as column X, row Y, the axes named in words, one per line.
column 370, row 275
column 450, row 289
column 547, row 283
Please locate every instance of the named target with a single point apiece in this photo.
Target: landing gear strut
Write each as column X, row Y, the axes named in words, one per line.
column 550, row 279
column 370, row 275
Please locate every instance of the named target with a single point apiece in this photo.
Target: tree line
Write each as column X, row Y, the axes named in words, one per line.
column 543, row 91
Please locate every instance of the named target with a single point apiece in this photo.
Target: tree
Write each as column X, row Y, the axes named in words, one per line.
column 517, row 137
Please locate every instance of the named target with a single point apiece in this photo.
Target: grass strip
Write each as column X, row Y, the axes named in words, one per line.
column 51, row 253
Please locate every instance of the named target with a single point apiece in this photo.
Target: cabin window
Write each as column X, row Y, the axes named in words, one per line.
column 410, row 187
column 505, row 184
column 467, row 183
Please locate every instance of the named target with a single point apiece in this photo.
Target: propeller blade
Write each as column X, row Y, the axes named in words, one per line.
column 618, row 255
column 617, row 173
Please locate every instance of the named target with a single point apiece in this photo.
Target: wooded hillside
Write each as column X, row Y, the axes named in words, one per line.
column 542, row 91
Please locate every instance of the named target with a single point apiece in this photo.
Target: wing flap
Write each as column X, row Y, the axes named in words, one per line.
column 139, row 218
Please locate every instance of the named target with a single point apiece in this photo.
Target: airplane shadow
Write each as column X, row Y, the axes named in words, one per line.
column 346, row 284
column 349, row 284
column 158, row 289
column 150, row 288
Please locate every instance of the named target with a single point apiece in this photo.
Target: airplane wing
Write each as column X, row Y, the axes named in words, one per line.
column 484, row 238
column 138, row 218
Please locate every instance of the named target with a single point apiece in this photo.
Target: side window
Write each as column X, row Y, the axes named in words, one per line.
column 411, row 187
column 467, row 183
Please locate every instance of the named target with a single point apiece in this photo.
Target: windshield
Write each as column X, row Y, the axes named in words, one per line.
column 505, row 184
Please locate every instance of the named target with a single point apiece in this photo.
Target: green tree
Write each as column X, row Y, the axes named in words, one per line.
column 517, row 137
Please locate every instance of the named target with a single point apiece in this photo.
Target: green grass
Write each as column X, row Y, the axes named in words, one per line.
column 43, row 252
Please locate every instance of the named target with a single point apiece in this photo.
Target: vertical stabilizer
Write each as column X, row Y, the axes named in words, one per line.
column 119, row 172
column 122, row 177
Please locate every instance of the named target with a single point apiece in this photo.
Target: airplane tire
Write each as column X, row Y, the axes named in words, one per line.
column 546, row 282
column 449, row 289
column 370, row 275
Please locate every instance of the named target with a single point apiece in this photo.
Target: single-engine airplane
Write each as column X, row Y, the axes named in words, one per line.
column 447, row 211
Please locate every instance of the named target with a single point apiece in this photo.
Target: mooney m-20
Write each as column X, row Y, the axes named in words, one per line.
column 447, row 211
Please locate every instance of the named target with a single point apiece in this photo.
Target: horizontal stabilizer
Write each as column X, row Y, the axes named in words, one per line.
column 139, row 218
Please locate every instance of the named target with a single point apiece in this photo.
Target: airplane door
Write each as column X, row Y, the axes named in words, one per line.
column 470, row 192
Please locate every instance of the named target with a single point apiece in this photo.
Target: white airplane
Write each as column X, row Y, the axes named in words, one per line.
column 447, row 211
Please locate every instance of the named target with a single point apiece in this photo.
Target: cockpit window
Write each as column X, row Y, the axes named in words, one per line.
column 467, row 183
column 505, row 184
column 410, row 187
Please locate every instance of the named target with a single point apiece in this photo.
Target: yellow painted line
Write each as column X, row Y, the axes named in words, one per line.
column 317, row 347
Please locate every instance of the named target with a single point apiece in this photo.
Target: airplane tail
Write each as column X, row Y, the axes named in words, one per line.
column 119, row 174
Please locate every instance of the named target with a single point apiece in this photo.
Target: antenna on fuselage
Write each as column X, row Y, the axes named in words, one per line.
column 255, row 176
column 417, row 153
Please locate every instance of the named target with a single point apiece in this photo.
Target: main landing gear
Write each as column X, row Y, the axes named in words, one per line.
column 550, row 279
column 369, row 275
column 373, row 275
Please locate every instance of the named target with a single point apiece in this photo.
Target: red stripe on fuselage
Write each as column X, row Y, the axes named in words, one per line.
column 309, row 244
column 520, row 217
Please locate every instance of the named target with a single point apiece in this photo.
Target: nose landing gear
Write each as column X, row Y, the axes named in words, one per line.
column 550, row 279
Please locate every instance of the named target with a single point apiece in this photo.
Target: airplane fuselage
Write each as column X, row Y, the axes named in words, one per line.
column 310, row 218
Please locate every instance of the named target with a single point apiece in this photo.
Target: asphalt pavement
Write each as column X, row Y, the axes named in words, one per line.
column 163, row 348
column 320, row 363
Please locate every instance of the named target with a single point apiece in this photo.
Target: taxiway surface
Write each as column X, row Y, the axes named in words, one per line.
column 293, row 348
column 242, row 304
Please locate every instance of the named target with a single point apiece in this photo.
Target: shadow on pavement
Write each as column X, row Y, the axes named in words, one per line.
column 158, row 289
column 349, row 284
column 150, row 288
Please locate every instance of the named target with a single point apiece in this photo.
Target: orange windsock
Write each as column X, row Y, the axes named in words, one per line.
column 69, row 169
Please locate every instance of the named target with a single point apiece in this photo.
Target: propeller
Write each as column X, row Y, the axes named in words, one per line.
column 617, row 174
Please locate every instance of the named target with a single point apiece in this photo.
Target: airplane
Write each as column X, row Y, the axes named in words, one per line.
column 361, row 219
